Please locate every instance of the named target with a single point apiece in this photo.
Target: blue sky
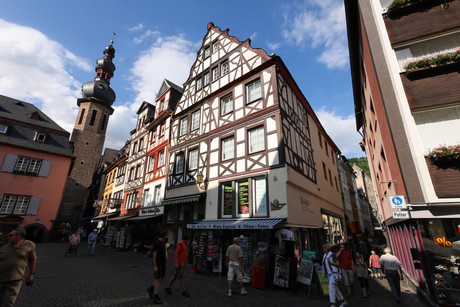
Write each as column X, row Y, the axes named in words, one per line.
column 49, row 48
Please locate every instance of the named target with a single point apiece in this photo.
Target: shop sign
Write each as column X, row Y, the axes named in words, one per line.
column 442, row 241
column 400, row 214
column 308, row 254
column 150, row 210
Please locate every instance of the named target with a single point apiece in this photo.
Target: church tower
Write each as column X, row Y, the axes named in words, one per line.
column 88, row 137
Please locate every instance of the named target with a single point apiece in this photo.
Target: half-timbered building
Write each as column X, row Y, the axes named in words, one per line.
column 248, row 156
column 152, row 209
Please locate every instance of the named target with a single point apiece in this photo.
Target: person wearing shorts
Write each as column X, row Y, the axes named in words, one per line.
column 374, row 264
column 235, row 266
column 179, row 265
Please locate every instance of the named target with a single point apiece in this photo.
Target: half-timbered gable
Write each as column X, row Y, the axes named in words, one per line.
column 157, row 149
column 298, row 148
column 137, row 156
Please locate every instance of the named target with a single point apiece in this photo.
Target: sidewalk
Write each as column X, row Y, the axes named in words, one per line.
column 120, row 278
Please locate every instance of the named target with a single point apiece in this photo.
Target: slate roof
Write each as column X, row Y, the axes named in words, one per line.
column 24, row 120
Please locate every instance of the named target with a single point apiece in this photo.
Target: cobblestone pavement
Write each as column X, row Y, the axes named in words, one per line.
column 120, row 278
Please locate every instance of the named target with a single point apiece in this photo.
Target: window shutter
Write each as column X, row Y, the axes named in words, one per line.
column 45, row 169
column 34, row 205
column 9, row 163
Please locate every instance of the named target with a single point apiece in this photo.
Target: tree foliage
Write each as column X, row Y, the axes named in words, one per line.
column 362, row 163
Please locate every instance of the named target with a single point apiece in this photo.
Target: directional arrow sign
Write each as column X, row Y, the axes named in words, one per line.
column 397, row 202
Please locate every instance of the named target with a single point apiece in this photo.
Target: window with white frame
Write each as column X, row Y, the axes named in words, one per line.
column 26, row 165
column 161, row 158
column 253, row 91
column 228, row 148
column 183, row 126
column 40, row 136
column 215, row 73
column 161, row 105
column 180, row 161
column 162, row 129
column 3, row 128
column 207, row 52
column 244, row 198
column 157, row 195
column 215, row 47
column 138, row 171
column 226, row 104
column 224, row 68
column 141, row 144
column 193, row 159
column 147, row 198
column 195, row 120
column 206, row 79
column 199, row 83
column 256, row 140
column 151, row 164
column 14, row 204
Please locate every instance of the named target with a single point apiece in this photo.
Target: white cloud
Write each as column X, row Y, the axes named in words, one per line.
column 320, row 25
column 34, row 68
column 342, row 131
column 167, row 58
column 145, row 36
column 137, row 27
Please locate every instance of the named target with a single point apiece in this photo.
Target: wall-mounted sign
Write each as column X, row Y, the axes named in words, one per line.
column 400, row 214
column 397, row 202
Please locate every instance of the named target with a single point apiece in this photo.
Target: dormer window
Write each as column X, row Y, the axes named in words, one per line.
column 3, row 128
column 40, row 136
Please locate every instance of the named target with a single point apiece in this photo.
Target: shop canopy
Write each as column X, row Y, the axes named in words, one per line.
column 236, row 224
column 181, row 200
column 105, row 215
column 122, row 217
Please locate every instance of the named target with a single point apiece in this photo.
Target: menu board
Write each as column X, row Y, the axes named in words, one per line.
column 243, row 198
column 228, row 200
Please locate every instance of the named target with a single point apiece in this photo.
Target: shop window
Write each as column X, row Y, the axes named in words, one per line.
column 244, row 198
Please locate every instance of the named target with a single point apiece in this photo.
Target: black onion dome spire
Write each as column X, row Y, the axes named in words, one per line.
column 100, row 87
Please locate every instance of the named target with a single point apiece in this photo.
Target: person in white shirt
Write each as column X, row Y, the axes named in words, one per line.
column 392, row 268
column 332, row 270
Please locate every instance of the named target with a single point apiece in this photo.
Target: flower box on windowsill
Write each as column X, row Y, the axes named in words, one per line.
column 445, row 175
column 425, row 72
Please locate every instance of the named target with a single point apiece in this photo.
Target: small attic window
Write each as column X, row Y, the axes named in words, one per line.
column 3, row 128
column 40, row 137
column 35, row 115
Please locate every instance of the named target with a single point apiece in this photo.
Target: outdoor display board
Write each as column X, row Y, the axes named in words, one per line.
column 306, row 271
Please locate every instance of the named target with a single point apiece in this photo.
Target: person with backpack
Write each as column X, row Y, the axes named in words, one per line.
column 332, row 270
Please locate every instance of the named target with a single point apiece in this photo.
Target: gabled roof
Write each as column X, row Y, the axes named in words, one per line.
column 166, row 85
column 24, row 120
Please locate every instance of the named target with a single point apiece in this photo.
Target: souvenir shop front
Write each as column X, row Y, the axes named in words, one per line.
column 211, row 238
column 429, row 251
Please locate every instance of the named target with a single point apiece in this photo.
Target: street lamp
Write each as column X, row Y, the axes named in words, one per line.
column 202, row 182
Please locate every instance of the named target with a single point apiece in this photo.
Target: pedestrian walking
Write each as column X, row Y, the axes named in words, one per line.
column 235, row 264
column 92, row 238
column 180, row 258
column 74, row 240
column 347, row 268
column 392, row 268
column 362, row 273
column 15, row 256
column 331, row 268
column 159, row 265
column 374, row 264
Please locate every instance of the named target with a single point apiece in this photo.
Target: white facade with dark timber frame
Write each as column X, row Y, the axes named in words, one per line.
column 243, row 124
